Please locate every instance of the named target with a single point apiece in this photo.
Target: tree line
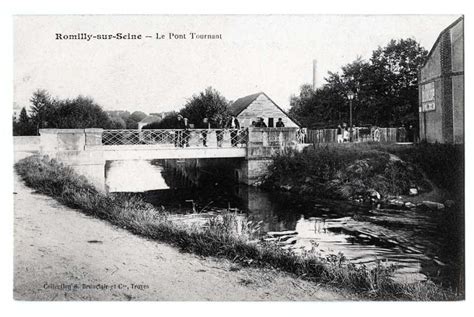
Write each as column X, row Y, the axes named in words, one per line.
column 385, row 88
column 77, row 113
column 208, row 104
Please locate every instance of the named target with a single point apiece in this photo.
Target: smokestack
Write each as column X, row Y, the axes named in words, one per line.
column 315, row 65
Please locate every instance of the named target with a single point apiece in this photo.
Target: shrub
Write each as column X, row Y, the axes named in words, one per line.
column 342, row 172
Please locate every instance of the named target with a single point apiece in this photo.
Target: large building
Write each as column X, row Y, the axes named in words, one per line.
column 251, row 108
column 441, row 88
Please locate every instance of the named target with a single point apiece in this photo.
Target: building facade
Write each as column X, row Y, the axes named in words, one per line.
column 441, row 88
column 250, row 108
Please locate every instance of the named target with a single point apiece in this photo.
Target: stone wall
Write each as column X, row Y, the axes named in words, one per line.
column 70, row 147
column 26, row 143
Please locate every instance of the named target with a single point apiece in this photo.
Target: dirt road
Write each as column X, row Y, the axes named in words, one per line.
column 61, row 254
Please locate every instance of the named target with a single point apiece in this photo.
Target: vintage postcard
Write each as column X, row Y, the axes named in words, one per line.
column 238, row 158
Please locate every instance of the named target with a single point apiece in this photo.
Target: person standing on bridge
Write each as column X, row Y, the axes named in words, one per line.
column 205, row 126
column 280, row 123
column 186, row 132
column 178, row 134
column 219, row 124
column 234, row 127
column 261, row 123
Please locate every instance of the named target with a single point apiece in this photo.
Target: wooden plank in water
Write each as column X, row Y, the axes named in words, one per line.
column 281, row 233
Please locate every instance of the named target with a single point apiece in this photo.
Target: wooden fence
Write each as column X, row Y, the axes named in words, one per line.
column 388, row 135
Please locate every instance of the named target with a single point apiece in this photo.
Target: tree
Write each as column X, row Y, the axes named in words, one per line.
column 138, row 116
column 24, row 125
column 207, row 104
column 168, row 122
column 41, row 108
column 132, row 120
column 23, row 116
column 395, row 68
column 79, row 113
column 385, row 87
column 116, row 122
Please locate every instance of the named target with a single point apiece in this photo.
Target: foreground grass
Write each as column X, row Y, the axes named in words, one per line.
column 218, row 237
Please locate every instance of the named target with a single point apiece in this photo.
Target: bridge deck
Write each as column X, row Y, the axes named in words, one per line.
column 150, row 152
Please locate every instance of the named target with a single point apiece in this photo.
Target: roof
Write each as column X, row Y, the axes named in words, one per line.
column 447, row 29
column 242, row 103
column 150, row 119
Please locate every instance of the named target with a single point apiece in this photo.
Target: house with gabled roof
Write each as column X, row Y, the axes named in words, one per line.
column 252, row 107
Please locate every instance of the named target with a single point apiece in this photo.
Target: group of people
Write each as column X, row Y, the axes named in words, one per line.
column 182, row 137
column 406, row 134
column 261, row 123
column 403, row 134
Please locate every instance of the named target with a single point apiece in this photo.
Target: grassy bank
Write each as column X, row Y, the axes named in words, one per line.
column 441, row 163
column 344, row 171
column 218, row 237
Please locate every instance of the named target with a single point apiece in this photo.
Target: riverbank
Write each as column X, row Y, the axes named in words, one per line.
column 57, row 247
column 218, row 238
column 372, row 172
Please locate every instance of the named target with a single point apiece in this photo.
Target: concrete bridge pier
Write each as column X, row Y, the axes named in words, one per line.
column 78, row 148
column 255, row 166
column 252, row 171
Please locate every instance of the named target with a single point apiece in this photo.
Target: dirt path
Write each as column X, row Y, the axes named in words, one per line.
column 61, row 254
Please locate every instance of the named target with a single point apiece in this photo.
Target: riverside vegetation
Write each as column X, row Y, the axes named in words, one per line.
column 345, row 171
column 219, row 237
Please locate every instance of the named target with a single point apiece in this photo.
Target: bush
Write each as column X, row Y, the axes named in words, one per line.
column 442, row 163
column 342, row 172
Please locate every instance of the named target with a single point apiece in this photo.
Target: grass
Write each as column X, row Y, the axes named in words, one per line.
column 344, row 172
column 442, row 163
column 227, row 236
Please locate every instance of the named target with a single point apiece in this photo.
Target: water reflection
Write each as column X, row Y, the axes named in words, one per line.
column 134, row 176
column 416, row 242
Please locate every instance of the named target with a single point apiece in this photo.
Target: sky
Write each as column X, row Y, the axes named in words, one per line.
column 271, row 53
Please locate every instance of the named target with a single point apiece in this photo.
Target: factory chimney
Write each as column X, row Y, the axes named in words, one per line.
column 315, row 64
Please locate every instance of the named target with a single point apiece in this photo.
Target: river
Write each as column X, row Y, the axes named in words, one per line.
column 420, row 244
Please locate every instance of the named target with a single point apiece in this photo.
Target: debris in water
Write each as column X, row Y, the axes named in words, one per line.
column 94, row 241
column 281, row 233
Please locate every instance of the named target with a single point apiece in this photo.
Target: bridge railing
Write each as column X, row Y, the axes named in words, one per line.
column 177, row 137
column 276, row 137
column 251, row 137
